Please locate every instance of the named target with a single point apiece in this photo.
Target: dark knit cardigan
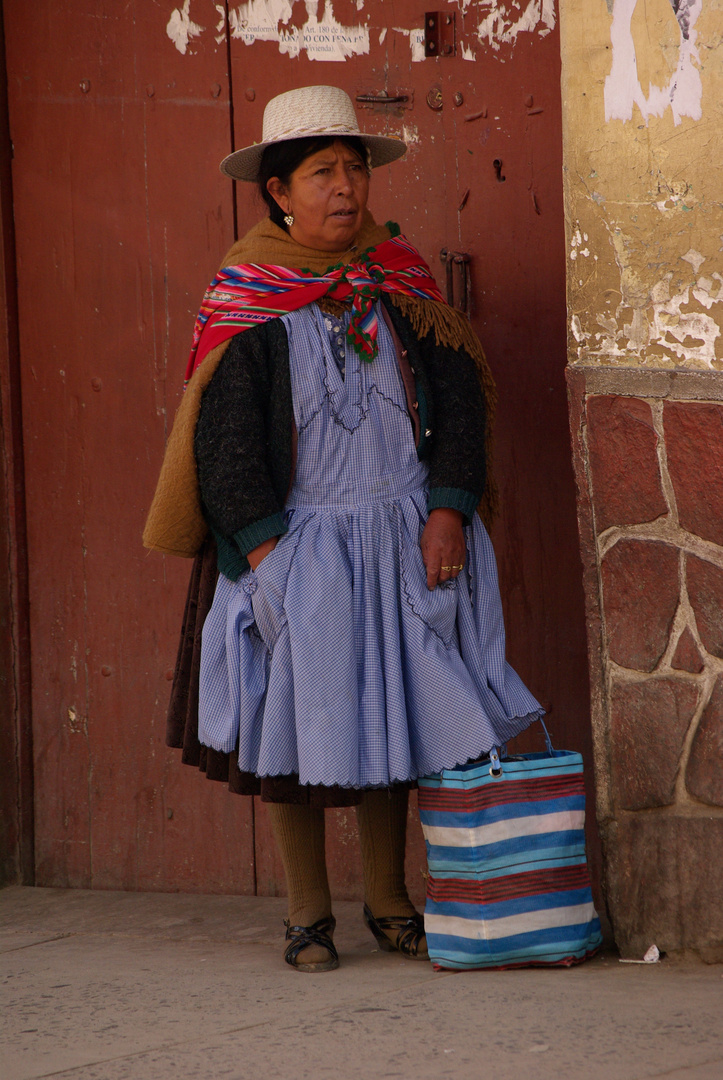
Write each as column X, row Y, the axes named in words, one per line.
column 244, row 435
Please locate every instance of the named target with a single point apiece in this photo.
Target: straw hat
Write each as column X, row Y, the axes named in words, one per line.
column 309, row 111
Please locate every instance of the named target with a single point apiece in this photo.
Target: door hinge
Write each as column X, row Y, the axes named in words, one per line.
column 439, row 33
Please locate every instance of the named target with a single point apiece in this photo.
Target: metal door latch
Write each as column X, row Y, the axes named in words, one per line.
column 439, row 33
column 459, row 281
column 382, row 99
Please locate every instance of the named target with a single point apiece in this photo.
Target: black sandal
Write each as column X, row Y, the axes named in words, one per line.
column 318, row 934
column 409, row 936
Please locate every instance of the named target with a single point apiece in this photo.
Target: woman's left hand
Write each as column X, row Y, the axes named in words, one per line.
column 443, row 546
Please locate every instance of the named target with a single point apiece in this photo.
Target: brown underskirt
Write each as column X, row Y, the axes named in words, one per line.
column 182, row 720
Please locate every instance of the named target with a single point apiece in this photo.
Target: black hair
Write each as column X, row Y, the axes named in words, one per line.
column 283, row 158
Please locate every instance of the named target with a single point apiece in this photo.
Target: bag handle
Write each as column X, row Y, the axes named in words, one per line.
column 496, row 764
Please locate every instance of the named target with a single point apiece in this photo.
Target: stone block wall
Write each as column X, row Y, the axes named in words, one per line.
column 648, row 450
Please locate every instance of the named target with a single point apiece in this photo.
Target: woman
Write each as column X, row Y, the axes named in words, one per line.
column 334, row 439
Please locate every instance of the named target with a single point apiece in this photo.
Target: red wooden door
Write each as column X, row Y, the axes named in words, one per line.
column 119, row 118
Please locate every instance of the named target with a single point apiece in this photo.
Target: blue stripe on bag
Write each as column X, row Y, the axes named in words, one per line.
column 521, row 905
column 531, row 765
column 554, row 947
column 488, row 874
column 500, row 893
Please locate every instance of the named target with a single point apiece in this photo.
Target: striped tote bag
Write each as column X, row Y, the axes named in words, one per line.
column 508, row 883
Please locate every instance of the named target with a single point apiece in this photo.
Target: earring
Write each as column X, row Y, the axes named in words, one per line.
column 289, row 219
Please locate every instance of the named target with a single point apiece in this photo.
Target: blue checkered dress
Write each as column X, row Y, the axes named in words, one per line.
column 332, row 660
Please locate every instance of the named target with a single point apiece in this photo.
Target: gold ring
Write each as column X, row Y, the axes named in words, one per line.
column 460, row 567
column 447, row 568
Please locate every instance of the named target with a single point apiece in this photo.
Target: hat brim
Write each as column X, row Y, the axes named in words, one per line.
column 244, row 164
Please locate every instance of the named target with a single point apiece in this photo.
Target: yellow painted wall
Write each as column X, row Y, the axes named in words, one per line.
column 643, row 160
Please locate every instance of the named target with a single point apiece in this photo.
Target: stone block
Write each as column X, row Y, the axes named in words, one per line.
column 704, row 776
column 705, row 592
column 694, row 443
column 648, row 722
column 640, row 597
column 622, row 447
column 686, row 656
column 660, row 884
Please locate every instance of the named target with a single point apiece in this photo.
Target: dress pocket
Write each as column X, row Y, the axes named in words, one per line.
column 436, row 608
column 267, row 587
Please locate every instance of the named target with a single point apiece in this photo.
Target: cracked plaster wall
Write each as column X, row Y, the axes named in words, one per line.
column 642, row 102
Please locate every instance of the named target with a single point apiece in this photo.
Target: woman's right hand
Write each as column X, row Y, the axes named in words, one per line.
column 259, row 553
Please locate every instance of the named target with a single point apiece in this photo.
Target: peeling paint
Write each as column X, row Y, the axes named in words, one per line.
column 77, row 725
column 416, row 42
column 321, row 39
column 221, row 24
column 655, row 325
column 180, row 29
column 688, row 335
column 259, row 20
column 504, row 22
column 576, row 241
column 325, row 38
column 695, row 259
column 660, row 51
column 643, row 183
column 410, row 134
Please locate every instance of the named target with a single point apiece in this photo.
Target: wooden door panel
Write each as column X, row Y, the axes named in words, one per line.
column 121, row 216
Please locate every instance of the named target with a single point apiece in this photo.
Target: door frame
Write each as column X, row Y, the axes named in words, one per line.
column 17, row 862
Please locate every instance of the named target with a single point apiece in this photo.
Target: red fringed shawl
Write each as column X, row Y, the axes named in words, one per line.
column 243, row 296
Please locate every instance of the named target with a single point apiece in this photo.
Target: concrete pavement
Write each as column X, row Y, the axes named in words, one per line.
column 132, row 986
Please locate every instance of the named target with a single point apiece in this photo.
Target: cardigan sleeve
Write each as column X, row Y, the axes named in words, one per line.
column 232, row 445
column 457, row 460
column 454, row 438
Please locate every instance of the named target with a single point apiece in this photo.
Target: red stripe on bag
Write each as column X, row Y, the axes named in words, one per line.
column 460, row 800
column 509, row 887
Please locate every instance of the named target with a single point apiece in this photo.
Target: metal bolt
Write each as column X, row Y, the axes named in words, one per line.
column 169, row 675
column 150, row 90
column 458, row 99
column 434, row 99
column 529, row 101
column 97, row 385
column 216, row 90
column 105, row 671
column 85, row 85
column 250, row 94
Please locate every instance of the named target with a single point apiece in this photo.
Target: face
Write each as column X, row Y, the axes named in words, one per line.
column 327, row 194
